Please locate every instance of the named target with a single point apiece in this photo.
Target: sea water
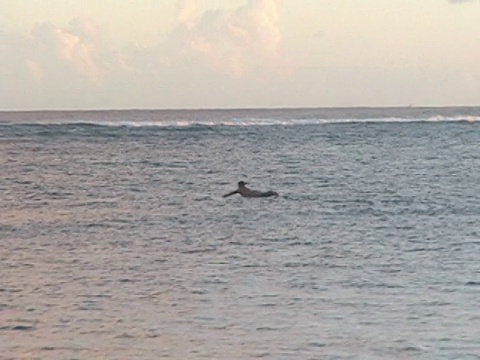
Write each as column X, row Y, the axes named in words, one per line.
column 116, row 243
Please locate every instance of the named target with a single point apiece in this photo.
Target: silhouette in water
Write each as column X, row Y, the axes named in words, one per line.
column 246, row 192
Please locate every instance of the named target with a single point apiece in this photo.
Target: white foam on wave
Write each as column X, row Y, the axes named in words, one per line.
column 467, row 118
column 244, row 122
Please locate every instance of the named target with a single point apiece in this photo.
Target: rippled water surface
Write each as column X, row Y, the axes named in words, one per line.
column 116, row 242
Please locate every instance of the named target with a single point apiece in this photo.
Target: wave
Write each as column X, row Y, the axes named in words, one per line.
column 239, row 118
column 241, row 122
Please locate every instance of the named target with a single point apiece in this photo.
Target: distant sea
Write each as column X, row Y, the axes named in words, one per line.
column 116, row 243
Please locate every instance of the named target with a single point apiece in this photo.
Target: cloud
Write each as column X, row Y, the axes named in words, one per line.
column 54, row 54
column 74, row 50
column 233, row 41
column 207, row 57
column 52, row 65
column 186, row 10
column 460, row 1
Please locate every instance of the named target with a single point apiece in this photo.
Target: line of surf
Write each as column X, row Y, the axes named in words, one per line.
column 239, row 122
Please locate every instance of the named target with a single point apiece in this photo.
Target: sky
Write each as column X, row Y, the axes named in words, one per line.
column 157, row 54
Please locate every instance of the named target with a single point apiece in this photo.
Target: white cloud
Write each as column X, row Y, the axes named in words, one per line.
column 235, row 41
column 52, row 66
column 206, row 57
column 53, row 54
column 74, row 50
column 186, row 10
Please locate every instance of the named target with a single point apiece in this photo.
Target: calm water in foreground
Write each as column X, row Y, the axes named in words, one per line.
column 115, row 242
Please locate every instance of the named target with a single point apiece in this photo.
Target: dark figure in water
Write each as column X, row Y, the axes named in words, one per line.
column 246, row 192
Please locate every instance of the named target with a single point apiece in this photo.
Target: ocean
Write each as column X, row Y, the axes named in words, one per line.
column 116, row 242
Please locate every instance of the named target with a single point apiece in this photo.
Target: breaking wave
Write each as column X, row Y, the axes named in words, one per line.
column 226, row 118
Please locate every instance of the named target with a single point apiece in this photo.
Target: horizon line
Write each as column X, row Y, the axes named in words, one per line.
column 411, row 106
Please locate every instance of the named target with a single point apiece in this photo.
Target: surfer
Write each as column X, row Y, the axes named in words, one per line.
column 246, row 192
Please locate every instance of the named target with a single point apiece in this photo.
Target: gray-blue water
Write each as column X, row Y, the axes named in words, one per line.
column 115, row 242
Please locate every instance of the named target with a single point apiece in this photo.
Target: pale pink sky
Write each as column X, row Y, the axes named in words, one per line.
column 107, row 54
